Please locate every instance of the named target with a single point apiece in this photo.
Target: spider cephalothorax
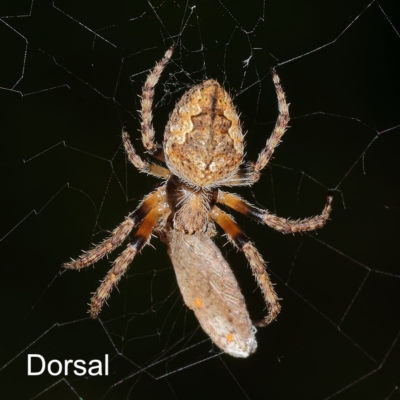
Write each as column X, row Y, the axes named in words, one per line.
column 203, row 150
column 190, row 206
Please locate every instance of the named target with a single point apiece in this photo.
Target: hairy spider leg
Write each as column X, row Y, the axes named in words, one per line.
column 142, row 165
column 257, row 264
column 249, row 172
column 147, row 103
column 118, row 235
column 280, row 126
column 140, row 239
column 283, row 225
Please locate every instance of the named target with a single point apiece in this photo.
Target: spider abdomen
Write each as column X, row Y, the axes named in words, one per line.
column 203, row 140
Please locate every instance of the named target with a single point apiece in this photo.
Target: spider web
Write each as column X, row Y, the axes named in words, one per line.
column 71, row 75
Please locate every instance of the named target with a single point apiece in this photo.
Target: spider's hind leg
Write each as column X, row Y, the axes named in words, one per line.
column 280, row 126
column 139, row 163
column 250, row 172
column 147, row 103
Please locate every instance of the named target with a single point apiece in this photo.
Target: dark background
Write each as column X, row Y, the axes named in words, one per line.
column 70, row 75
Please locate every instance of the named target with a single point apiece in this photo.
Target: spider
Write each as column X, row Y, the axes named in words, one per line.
column 203, row 149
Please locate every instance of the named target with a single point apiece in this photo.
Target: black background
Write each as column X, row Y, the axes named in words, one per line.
column 71, row 73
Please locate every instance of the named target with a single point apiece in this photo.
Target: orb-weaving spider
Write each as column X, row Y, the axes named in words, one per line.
column 203, row 149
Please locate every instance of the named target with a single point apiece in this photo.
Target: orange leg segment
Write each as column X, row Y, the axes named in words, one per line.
column 257, row 264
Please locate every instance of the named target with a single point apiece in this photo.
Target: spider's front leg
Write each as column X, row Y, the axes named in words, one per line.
column 257, row 264
column 119, row 234
column 280, row 224
column 121, row 264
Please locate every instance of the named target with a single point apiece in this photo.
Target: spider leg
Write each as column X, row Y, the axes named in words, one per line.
column 138, row 162
column 120, row 233
column 147, row 103
column 250, row 172
column 257, row 264
column 121, row 264
column 283, row 225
